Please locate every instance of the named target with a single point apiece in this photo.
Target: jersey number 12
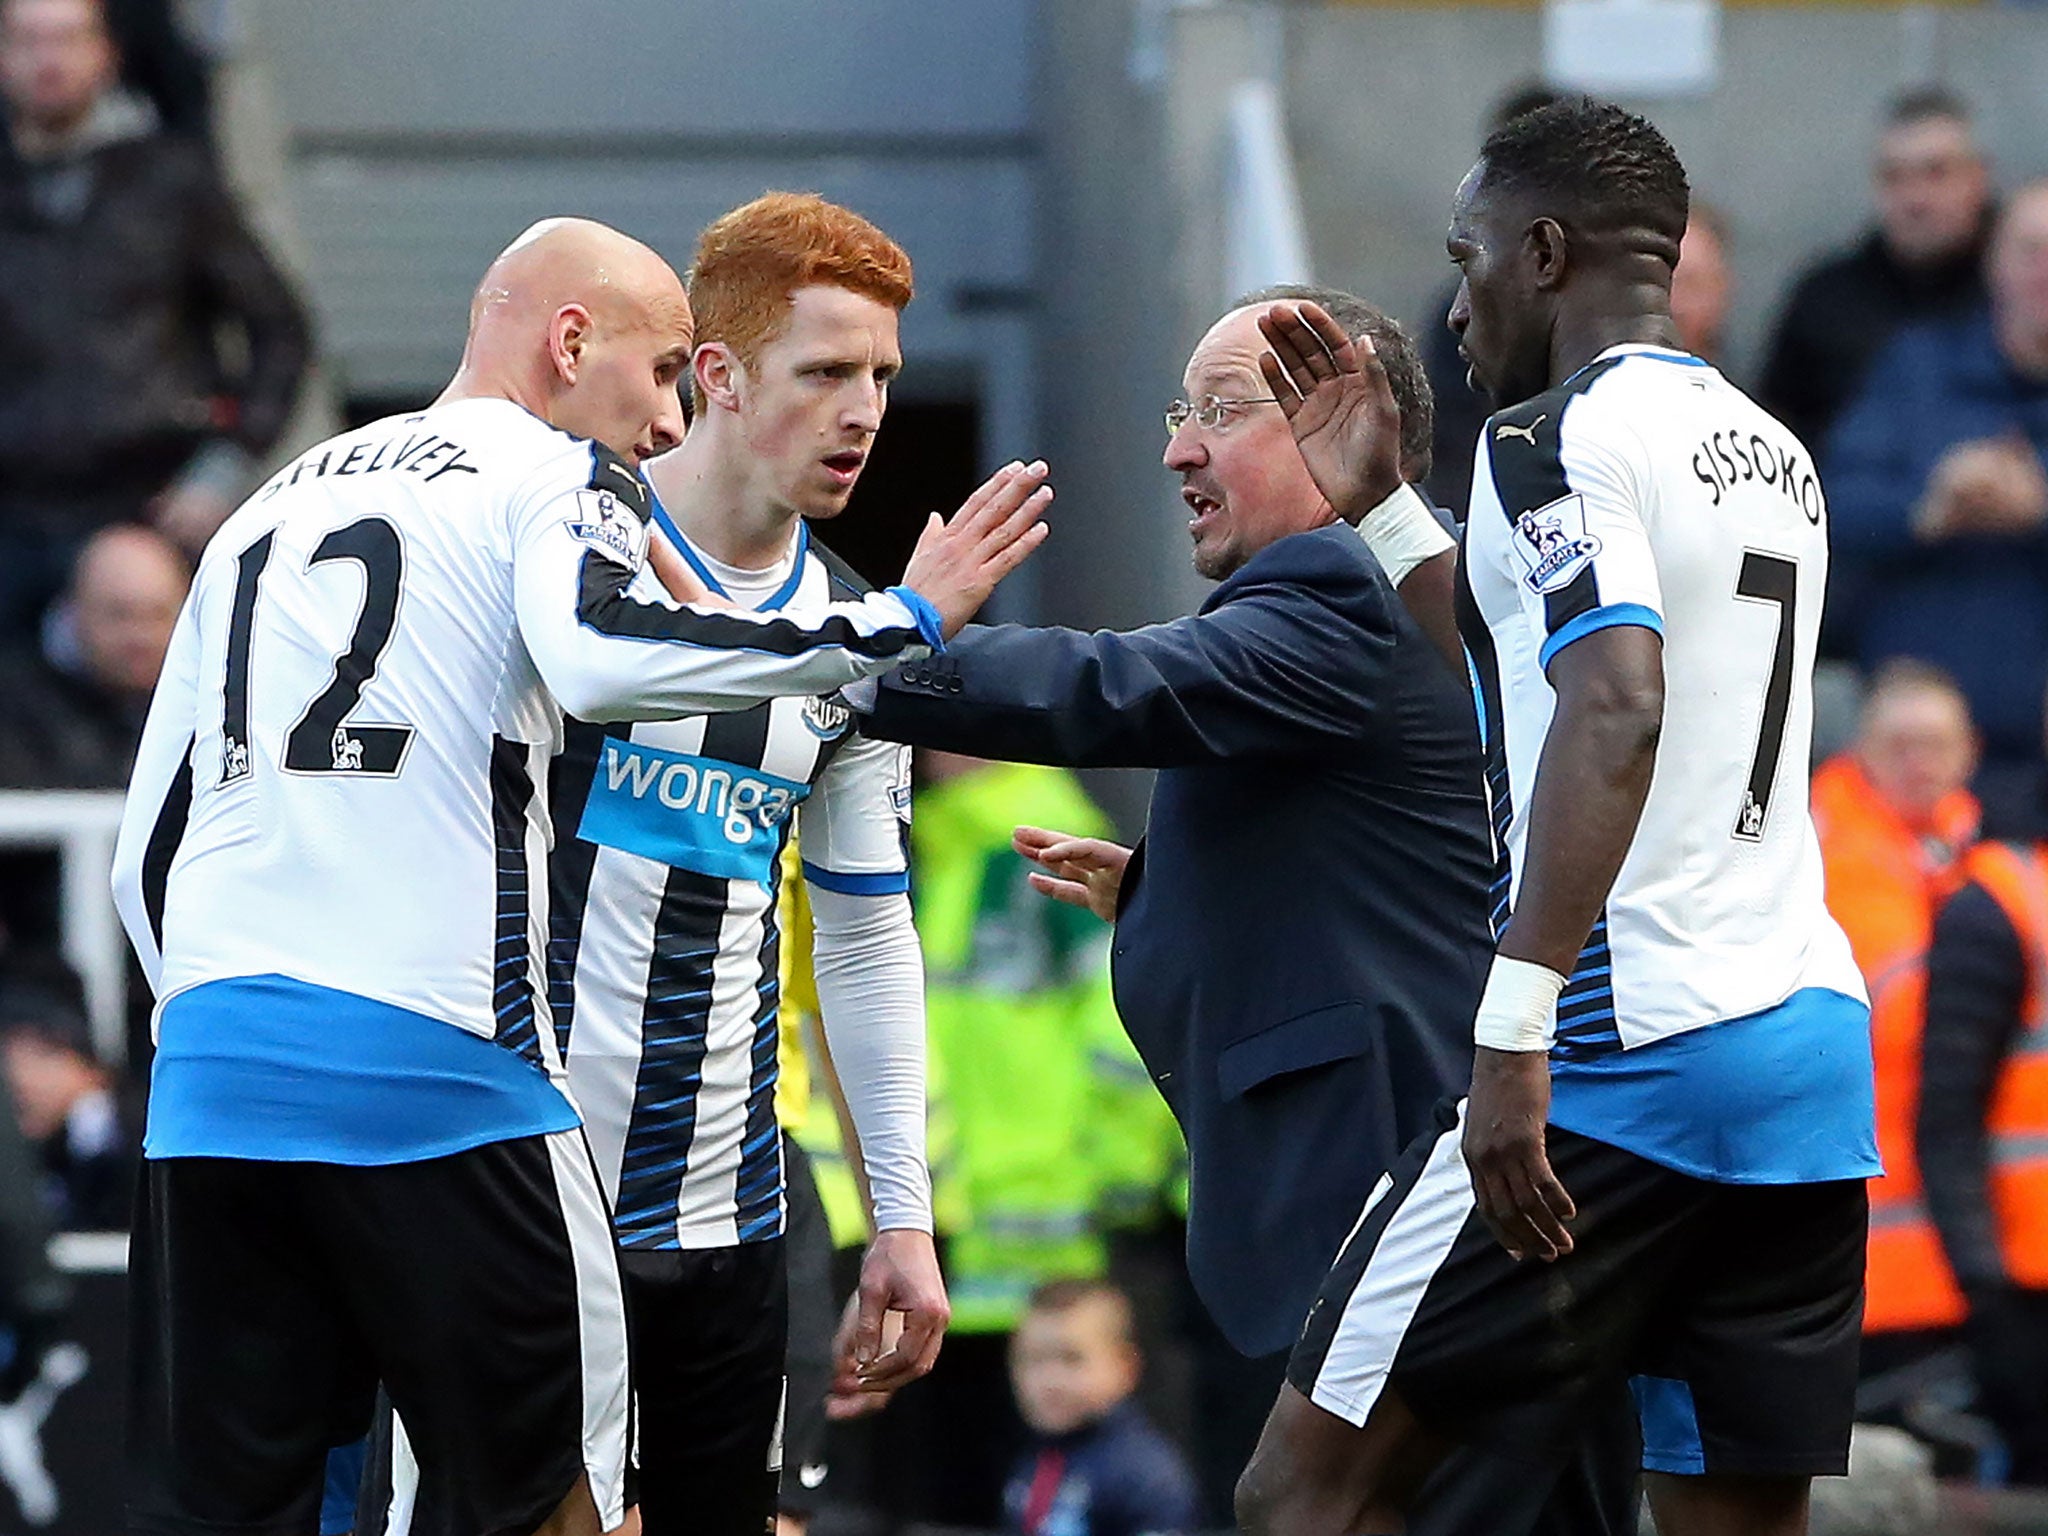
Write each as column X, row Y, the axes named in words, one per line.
column 322, row 741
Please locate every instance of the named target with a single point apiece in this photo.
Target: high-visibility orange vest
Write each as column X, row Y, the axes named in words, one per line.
column 1907, row 1280
column 2017, row 1122
column 1884, row 884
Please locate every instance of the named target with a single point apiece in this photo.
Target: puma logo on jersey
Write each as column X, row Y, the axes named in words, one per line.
column 1509, row 429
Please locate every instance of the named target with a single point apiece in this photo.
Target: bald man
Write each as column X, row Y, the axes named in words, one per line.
column 360, row 1163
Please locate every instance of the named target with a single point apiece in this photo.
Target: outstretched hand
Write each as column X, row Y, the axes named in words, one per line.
column 1081, row 871
column 957, row 564
column 1336, row 397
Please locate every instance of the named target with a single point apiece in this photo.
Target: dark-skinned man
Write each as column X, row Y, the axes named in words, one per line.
column 1658, row 1174
column 1303, row 936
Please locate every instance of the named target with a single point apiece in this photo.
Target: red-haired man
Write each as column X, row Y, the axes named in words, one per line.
column 665, row 942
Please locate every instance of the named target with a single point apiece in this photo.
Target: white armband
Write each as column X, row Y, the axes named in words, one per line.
column 1518, row 1011
column 1402, row 532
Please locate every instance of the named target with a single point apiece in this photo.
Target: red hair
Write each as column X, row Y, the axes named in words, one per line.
column 751, row 262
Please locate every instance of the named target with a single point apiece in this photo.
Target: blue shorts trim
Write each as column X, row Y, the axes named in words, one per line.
column 1671, row 1426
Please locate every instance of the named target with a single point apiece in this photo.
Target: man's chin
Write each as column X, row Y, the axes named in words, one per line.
column 1213, row 562
column 823, row 508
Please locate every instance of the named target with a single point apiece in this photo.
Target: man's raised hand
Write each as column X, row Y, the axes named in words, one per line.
column 1337, row 399
column 957, row 564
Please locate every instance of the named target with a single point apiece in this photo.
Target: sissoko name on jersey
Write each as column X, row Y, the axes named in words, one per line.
column 1716, row 1019
column 331, row 861
column 665, row 950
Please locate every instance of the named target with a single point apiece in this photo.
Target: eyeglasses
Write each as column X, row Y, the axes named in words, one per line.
column 1209, row 412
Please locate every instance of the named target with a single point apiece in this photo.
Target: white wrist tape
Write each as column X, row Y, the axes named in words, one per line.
column 1518, row 1011
column 1402, row 532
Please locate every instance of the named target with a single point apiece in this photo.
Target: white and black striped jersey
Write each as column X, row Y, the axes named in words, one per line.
column 340, row 791
column 1648, row 490
column 664, row 956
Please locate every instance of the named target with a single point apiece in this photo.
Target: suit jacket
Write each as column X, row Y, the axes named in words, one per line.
column 1303, row 934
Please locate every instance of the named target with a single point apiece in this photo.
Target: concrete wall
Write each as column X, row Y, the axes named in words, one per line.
column 423, row 134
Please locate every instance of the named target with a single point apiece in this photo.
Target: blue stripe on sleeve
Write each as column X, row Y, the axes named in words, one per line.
column 892, row 883
column 1596, row 619
column 928, row 622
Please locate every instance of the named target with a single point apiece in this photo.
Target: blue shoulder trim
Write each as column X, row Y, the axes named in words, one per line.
column 1595, row 619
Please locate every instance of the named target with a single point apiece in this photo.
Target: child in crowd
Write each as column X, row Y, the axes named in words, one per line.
column 1098, row 1467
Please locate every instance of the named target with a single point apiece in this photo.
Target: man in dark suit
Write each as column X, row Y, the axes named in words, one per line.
column 1302, row 935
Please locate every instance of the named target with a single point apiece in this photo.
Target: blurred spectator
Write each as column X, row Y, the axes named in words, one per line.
column 1894, row 820
column 1938, row 493
column 1041, row 1115
column 1983, row 1126
column 159, row 61
column 87, row 1141
column 155, row 349
column 33, row 1296
column 1703, row 285
column 1922, row 262
column 72, row 711
column 1097, row 1466
column 1462, row 410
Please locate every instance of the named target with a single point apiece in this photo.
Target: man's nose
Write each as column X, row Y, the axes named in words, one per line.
column 864, row 411
column 666, row 430
column 1185, row 449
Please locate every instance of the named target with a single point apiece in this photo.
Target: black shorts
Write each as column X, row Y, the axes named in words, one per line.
column 709, row 1327
column 268, row 1300
column 1733, row 1309
column 813, row 1321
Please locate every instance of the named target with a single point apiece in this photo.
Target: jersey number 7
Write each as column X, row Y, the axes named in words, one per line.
column 1769, row 579
column 322, row 741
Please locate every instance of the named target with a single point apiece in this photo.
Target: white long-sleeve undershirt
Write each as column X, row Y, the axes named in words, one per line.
column 870, row 973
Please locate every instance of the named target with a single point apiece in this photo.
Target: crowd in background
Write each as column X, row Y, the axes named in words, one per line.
column 156, row 355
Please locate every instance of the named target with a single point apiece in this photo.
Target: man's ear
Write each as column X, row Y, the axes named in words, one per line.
column 719, row 374
column 1549, row 251
column 568, row 336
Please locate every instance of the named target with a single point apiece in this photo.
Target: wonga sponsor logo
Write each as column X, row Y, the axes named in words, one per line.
column 696, row 813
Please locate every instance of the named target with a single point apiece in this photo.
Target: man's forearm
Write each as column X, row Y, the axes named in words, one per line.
column 1591, row 784
column 1430, row 596
column 870, row 976
column 1022, row 695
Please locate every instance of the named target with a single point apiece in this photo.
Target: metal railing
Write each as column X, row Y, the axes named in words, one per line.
column 80, row 825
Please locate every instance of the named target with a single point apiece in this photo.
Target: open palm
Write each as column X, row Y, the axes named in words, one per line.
column 1337, row 400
